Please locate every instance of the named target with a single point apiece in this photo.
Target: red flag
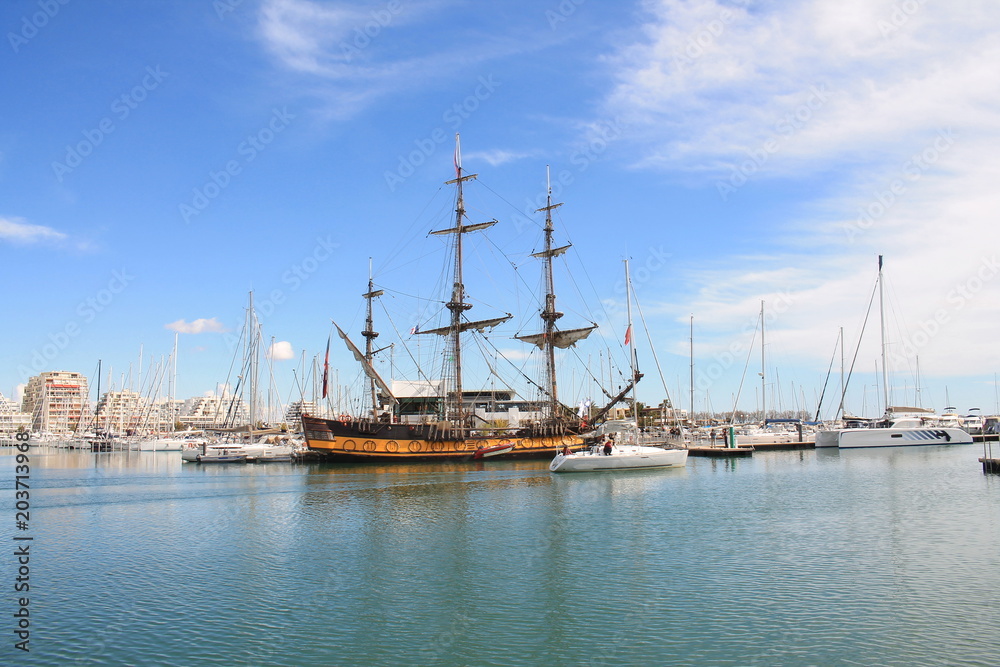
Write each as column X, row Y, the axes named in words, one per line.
column 628, row 335
column 326, row 366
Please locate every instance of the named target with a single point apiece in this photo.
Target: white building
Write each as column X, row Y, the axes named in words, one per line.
column 12, row 419
column 56, row 401
column 224, row 411
column 293, row 415
column 121, row 412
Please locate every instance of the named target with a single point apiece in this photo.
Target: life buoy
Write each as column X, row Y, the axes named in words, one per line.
column 392, row 446
column 350, row 445
column 369, row 446
column 414, row 446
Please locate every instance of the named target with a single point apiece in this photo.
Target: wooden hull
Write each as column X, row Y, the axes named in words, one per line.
column 358, row 440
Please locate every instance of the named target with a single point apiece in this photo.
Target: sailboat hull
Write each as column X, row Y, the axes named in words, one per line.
column 901, row 437
column 622, row 458
column 364, row 440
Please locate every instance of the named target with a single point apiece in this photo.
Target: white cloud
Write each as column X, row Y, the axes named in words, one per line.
column 200, row 325
column 281, row 351
column 899, row 113
column 352, row 54
column 17, row 230
column 712, row 81
column 497, row 157
column 305, row 35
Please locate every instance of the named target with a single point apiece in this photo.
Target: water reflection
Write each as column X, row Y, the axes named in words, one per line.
column 813, row 557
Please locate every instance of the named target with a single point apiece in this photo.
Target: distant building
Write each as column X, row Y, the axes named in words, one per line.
column 293, row 415
column 122, row 412
column 56, row 401
column 164, row 414
column 224, row 411
column 12, row 419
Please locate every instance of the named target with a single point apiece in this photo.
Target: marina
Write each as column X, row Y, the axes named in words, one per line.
column 788, row 557
column 501, row 334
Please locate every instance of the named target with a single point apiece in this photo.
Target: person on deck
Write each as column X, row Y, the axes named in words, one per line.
column 608, row 445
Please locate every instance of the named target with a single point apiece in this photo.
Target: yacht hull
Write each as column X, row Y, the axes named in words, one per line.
column 624, row 458
column 861, row 438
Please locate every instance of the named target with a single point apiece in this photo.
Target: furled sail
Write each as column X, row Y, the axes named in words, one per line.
column 465, row 228
column 555, row 252
column 560, row 339
column 366, row 366
column 478, row 325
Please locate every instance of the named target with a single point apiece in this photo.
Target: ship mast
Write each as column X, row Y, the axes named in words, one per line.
column 550, row 314
column 551, row 338
column 370, row 335
column 453, row 408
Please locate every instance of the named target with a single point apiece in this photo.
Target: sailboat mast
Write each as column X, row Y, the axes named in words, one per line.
column 763, row 400
column 97, row 408
column 251, row 351
column 370, row 335
column 550, row 315
column 840, row 410
column 631, row 342
column 691, row 416
column 173, row 388
column 881, row 309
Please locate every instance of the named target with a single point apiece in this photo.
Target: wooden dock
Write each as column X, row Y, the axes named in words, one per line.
column 720, row 451
column 990, row 463
column 775, row 446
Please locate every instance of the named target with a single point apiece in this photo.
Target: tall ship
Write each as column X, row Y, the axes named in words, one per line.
column 454, row 430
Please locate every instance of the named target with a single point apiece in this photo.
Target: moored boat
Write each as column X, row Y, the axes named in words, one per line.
column 620, row 457
column 223, row 453
column 495, row 450
column 621, row 448
column 900, row 426
column 452, row 432
column 369, row 439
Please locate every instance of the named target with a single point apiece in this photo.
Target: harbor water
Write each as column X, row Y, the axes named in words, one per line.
column 885, row 557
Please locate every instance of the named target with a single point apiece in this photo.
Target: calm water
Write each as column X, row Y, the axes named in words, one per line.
column 790, row 558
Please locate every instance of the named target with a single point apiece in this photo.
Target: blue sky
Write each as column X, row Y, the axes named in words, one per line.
column 159, row 160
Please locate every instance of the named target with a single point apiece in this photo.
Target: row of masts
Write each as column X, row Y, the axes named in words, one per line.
column 454, row 407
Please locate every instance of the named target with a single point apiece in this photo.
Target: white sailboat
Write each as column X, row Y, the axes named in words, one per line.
column 624, row 452
column 263, row 449
column 899, row 427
